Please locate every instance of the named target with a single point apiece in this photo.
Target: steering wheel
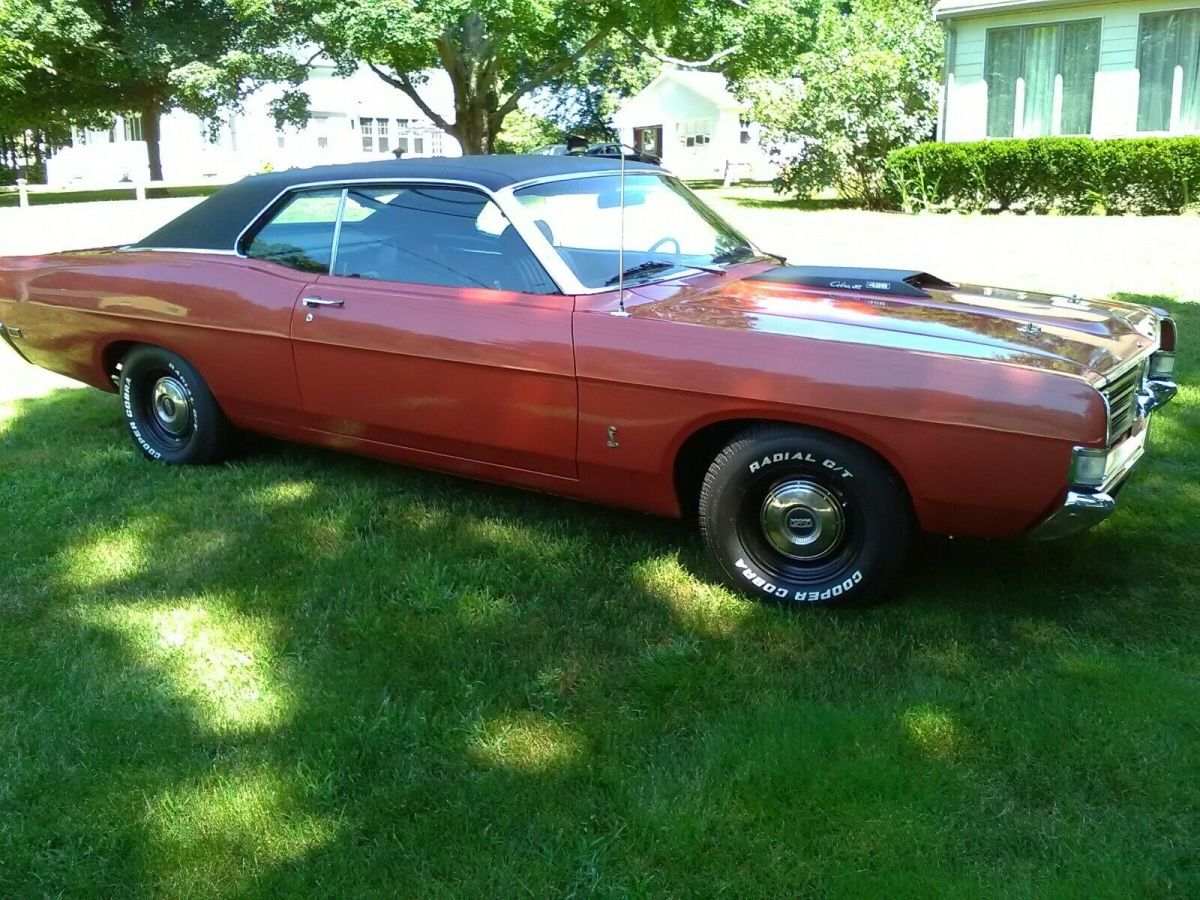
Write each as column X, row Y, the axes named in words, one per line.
column 668, row 240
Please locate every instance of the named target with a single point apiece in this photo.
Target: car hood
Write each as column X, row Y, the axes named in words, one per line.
column 914, row 311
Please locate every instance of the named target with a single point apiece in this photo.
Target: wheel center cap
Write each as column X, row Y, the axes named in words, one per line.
column 802, row 520
column 802, row 523
column 171, row 406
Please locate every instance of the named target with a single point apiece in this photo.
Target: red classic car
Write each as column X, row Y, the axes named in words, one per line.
column 565, row 326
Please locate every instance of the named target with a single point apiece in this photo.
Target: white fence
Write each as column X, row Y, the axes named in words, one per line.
column 24, row 189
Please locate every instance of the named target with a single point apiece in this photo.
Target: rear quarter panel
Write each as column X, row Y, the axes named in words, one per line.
column 228, row 316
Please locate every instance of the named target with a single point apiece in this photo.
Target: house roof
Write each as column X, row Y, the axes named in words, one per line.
column 215, row 223
column 711, row 86
column 949, row 9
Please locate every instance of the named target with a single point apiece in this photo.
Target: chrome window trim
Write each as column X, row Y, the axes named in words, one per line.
column 505, row 198
column 559, row 272
column 337, row 232
column 133, row 248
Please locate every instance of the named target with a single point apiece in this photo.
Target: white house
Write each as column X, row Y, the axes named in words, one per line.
column 695, row 125
column 354, row 118
column 1105, row 68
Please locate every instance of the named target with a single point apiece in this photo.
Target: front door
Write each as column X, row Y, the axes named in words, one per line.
column 438, row 330
column 648, row 140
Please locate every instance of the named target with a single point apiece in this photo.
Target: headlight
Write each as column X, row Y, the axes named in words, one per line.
column 1162, row 363
column 1162, row 366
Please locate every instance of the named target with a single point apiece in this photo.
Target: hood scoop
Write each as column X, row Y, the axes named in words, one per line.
column 897, row 282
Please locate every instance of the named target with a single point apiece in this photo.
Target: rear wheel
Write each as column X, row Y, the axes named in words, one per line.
column 172, row 415
column 801, row 516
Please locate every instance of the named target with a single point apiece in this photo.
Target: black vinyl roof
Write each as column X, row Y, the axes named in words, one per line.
column 215, row 223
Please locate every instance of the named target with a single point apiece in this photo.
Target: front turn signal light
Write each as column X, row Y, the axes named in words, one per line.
column 1088, row 467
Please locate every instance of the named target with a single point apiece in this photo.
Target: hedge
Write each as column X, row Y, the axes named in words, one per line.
column 1146, row 176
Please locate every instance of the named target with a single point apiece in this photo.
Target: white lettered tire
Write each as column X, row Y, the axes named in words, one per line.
column 172, row 415
column 797, row 515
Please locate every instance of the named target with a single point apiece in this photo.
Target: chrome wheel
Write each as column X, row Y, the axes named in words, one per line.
column 171, row 406
column 802, row 520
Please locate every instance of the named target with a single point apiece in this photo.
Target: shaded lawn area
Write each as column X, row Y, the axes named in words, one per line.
column 304, row 672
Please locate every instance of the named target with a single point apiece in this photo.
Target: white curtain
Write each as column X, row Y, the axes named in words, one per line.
column 1081, row 61
column 1041, row 68
column 1003, row 69
column 1159, row 51
column 1189, row 58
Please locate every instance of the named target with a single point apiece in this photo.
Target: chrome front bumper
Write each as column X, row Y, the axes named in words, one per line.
column 1085, row 507
column 1079, row 512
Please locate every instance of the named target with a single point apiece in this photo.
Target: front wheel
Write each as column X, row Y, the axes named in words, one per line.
column 800, row 516
column 172, row 415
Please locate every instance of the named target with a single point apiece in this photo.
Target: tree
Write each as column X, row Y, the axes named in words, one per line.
column 498, row 52
column 870, row 88
column 524, row 132
column 94, row 58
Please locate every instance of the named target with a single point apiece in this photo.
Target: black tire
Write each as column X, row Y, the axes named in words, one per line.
column 172, row 415
column 801, row 516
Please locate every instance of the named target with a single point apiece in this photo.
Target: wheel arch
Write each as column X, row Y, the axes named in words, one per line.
column 111, row 356
column 700, row 446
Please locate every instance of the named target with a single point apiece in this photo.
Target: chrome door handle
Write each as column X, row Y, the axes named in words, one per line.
column 313, row 302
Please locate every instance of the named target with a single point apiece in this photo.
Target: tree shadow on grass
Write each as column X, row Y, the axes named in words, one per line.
column 304, row 671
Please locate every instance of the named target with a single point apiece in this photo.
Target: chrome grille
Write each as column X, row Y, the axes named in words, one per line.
column 1121, row 396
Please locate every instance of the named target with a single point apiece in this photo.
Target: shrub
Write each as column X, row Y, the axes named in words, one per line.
column 1146, row 176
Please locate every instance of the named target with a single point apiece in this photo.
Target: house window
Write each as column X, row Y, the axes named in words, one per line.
column 1041, row 78
column 744, row 129
column 418, row 145
column 1169, row 63
column 375, row 137
column 694, row 133
column 133, row 127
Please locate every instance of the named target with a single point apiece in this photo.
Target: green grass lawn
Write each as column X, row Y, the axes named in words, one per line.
column 10, row 197
column 308, row 673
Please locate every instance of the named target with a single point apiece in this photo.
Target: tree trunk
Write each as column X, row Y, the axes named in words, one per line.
column 150, row 134
column 469, row 57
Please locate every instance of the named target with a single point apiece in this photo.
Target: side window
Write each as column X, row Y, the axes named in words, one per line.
column 299, row 234
column 453, row 237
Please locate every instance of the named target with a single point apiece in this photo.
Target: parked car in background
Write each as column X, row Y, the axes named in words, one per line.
column 551, row 323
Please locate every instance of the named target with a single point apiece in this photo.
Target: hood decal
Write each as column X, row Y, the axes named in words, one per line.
column 897, row 282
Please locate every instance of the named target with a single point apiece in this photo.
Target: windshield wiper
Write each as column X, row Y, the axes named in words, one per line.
column 658, row 266
column 640, row 269
column 741, row 254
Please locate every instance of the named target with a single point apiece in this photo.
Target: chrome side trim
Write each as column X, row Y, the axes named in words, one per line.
column 1079, row 512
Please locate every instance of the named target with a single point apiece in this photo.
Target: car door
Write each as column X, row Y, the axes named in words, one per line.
column 437, row 329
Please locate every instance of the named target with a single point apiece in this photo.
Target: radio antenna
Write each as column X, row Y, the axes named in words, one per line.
column 621, row 246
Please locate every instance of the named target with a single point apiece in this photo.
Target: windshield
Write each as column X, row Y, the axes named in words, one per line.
column 667, row 228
